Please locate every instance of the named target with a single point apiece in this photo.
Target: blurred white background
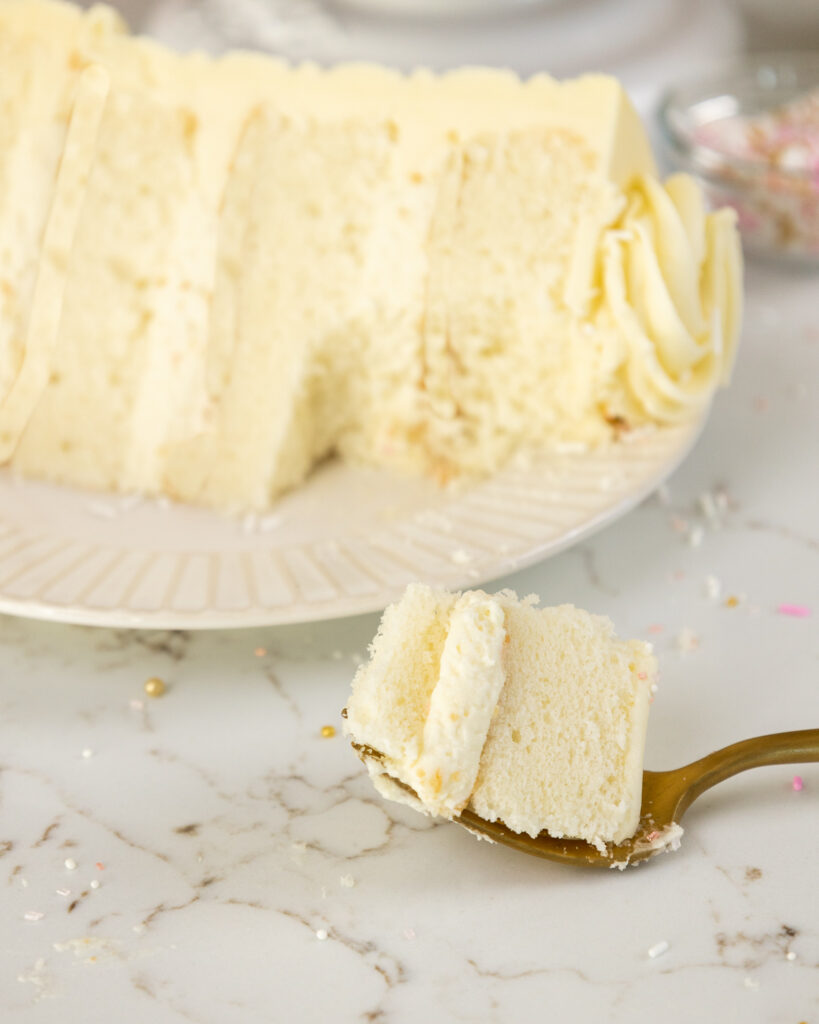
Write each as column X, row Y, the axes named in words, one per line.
column 644, row 42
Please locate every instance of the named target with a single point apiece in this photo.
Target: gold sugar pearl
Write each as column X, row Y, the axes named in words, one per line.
column 154, row 686
column 328, row 731
column 731, row 602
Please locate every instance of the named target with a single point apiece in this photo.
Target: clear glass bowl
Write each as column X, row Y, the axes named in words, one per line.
column 750, row 133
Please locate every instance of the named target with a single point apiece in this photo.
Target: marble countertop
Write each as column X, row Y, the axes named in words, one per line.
column 208, row 856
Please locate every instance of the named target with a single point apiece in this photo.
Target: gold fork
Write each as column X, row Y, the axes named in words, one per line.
column 666, row 797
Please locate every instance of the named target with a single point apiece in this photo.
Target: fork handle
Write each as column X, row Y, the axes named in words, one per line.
column 798, row 747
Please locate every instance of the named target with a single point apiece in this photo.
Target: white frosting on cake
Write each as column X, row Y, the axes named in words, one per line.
column 461, row 706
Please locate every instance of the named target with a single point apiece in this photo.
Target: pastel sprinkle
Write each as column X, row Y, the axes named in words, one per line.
column 658, row 949
column 99, row 866
column 687, row 640
column 260, row 652
column 34, row 915
column 796, row 611
column 696, row 536
column 656, row 628
column 797, row 783
column 713, row 587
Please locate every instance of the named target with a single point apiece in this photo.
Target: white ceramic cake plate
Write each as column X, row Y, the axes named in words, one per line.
column 345, row 543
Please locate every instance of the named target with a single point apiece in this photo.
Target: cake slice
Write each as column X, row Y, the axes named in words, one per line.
column 533, row 717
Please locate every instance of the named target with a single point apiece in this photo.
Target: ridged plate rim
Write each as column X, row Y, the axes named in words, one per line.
column 323, row 553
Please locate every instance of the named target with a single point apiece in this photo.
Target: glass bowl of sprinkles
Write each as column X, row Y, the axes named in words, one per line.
column 750, row 133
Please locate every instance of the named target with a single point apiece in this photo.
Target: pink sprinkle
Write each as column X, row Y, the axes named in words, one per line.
column 796, row 611
column 642, row 675
column 656, row 628
column 797, row 783
column 653, row 835
column 679, row 524
column 99, row 866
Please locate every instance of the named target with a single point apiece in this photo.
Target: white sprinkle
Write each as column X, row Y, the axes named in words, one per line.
column 299, row 846
column 658, row 949
column 409, row 933
column 321, row 934
column 130, row 501
column 434, row 520
column 460, row 557
column 751, row 983
column 713, row 588
column 34, row 915
column 101, row 510
column 136, row 705
column 88, row 752
column 138, row 928
column 790, row 955
column 708, row 506
column 687, row 640
column 696, row 536
column 63, row 892
column 269, row 523
column 324, row 892
column 347, row 881
column 70, row 864
column 664, row 495
column 249, row 523
column 94, row 884
column 24, row 883
column 571, row 447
